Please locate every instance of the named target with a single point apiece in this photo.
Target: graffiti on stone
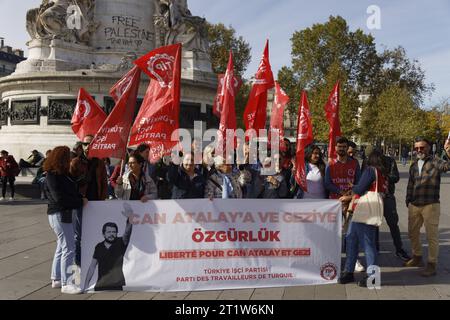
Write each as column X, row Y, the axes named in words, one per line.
column 127, row 31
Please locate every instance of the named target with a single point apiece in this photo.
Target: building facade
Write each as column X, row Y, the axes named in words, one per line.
column 9, row 58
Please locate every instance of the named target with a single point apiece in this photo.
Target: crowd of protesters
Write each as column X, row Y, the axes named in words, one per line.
column 69, row 179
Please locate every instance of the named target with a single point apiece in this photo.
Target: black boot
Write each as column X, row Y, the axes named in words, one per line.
column 346, row 277
column 363, row 282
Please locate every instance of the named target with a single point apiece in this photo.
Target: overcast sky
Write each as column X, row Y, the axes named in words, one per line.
column 421, row 27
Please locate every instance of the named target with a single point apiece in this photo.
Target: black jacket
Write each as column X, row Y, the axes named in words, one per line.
column 390, row 172
column 63, row 195
column 183, row 186
column 393, row 175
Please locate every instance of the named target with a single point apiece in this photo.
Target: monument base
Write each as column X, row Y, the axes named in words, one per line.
column 55, row 55
column 40, row 106
column 196, row 66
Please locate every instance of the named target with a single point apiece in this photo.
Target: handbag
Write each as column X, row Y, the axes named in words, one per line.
column 369, row 208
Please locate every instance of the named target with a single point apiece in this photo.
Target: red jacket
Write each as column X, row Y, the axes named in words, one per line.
column 8, row 167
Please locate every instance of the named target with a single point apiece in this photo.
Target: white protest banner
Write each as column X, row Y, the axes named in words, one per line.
column 190, row 245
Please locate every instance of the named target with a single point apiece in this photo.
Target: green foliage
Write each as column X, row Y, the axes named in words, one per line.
column 395, row 85
column 316, row 49
column 397, row 115
column 430, row 127
column 222, row 39
column 398, row 70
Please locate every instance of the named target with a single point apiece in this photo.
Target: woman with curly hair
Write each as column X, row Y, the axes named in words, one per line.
column 63, row 199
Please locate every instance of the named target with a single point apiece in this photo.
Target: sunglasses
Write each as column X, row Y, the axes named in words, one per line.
column 419, row 149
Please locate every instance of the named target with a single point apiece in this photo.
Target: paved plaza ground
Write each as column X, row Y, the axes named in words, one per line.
column 27, row 245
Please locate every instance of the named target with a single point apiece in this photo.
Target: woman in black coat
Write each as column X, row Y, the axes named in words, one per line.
column 63, row 199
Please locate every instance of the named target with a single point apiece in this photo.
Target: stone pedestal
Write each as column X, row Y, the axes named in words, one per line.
column 39, row 51
column 44, row 132
column 197, row 66
column 66, row 56
column 41, row 94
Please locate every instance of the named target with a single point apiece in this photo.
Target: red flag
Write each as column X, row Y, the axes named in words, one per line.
column 304, row 138
column 111, row 140
column 256, row 110
column 88, row 116
column 227, row 103
column 160, row 110
column 277, row 117
column 332, row 114
column 121, row 86
column 237, row 84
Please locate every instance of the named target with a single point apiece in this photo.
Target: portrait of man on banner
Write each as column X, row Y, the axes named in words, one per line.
column 109, row 256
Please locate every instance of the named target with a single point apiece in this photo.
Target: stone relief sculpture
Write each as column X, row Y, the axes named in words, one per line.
column 180, row 26
column 49, row 21
column 126, row 63
column 61, row 110
column 24, row 111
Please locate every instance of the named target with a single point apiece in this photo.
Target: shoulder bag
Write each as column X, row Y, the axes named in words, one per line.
column 369, row 208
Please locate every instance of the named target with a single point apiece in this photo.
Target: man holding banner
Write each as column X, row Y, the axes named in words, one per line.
column 92, row 182
column 341, row 174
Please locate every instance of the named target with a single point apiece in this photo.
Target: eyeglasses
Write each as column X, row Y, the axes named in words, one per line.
column 419, row 149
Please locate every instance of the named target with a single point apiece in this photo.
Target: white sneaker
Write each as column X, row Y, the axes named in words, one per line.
column 71, row 289
column 11, row 199
column 2, row 199
column 56, row 284
column 359, row 267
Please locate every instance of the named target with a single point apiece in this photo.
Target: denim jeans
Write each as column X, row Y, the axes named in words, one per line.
column 360, row 234
column 78, row 222
column 4, row 181
column 404, row 160
column 65, row 249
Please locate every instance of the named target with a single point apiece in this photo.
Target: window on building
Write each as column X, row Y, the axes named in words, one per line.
column 189, row 113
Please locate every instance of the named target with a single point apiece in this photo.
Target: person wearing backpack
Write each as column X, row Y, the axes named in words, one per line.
column 9, row 169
